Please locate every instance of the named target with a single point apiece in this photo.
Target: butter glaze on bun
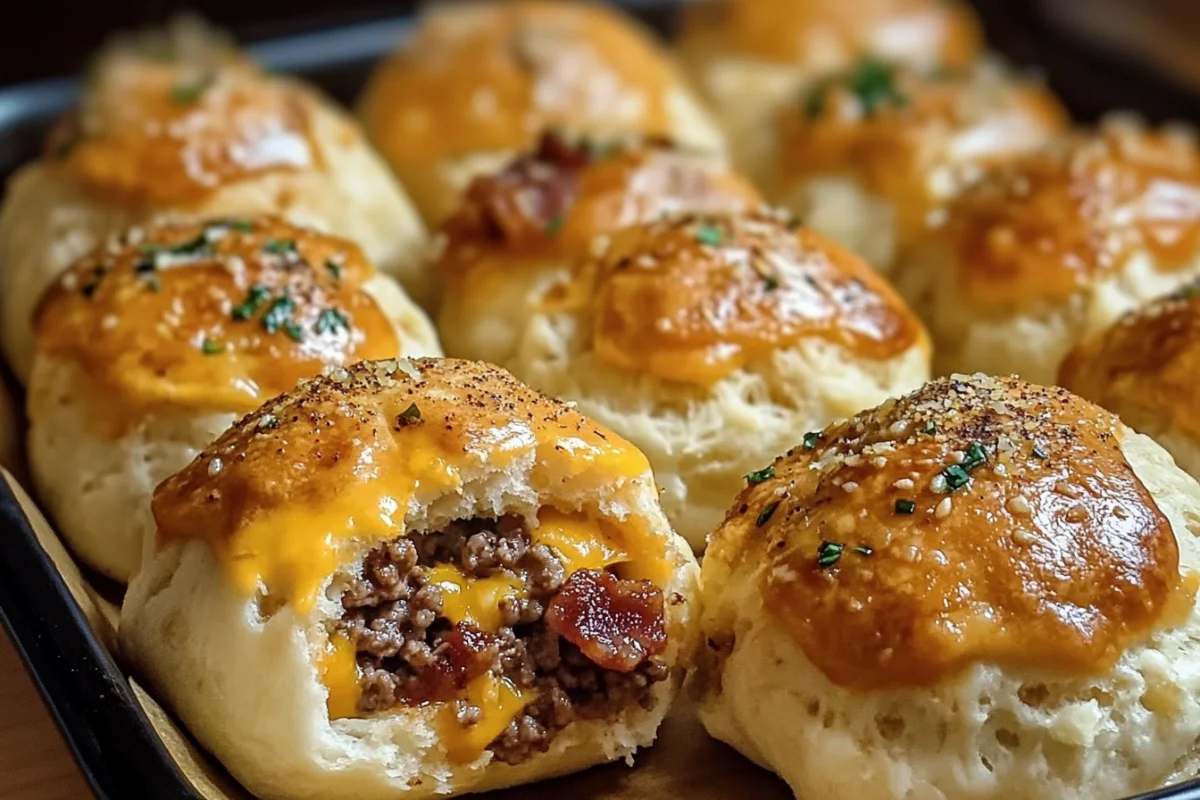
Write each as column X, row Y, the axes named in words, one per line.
column 1144, row 369
column 479, row 81
column 1052, row 247
column 415, row 494
column 516, row 233
column 868, row 155
column 152, row 345
column 751, row 58
column 711, row 340
column 181, row 125
column 984, row 589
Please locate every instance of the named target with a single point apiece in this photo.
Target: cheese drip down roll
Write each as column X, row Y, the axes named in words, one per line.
column 985, row 589
column 518, row 232
column 179, row 123
column 479, row 81
column 869, row 155
column 1144, row 369
column 1050, row 248
column 155, row 343
column 410, row 579
column 710, row 340
column 751, row 58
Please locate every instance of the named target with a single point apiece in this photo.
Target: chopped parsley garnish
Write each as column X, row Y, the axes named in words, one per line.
column 1189, row 292
column 241, row 225
column 864, row 550
column 871, row 80
column 554, row 226
column 761, row 475
column 810, row 439
column 409, row 416
column 709, row 234
column 211, row 347
column 829, row 553
column 278, row 314
column 975, row 456
column 930, row 428
column 331, row 320
column 765, row 515
column 280, row 247
column 905, row 506
column 770, row 283
column 814, row 103
column 197, row 245
column 293, row 331
column 1038, row 452
column 794, row 223
column 335, row 269
column 956, row 477
column 186, row 94
column 153, row 282
column 257, row 295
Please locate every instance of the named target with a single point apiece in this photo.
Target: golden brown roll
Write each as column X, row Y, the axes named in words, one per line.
column 479, row 81
column 708, row 340
column 1052, row 247
column 868, row 155
column 180, row 124
column 1144, row 369
column 984, row 590
column 152, row 345
column 413, row 579
column 752, row 57
column 517, row 232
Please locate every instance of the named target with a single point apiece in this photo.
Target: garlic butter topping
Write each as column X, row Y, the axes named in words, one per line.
column 217, row 315
column 975, row 520
column 1048, row 223
column 160, row 124
column 552, row 202
column 694, row 297
column 913, row 136
column 490, row 76
column 823, row 35
column 1148, row 360
column 326, row 472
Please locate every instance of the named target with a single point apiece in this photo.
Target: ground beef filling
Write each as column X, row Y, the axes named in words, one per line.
column 408, row 653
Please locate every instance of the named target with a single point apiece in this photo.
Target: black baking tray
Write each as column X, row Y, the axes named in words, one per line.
column 86, row 692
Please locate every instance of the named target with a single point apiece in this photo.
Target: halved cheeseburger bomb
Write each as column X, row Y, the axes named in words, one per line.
column 1052, row 247
column 518, row 232
column 709, row 340
column 984, row 590
column 154, row 344
column 868, row 155
column 451, row 583
column 181, row 124
column 752, row 58
column 478, row 82
column 1144, row 369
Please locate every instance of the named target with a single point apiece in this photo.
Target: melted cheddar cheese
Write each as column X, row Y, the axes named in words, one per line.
column 498, row 700
column 338, row 671
column 474, row 600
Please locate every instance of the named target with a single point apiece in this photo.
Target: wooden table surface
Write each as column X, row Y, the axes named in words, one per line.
column 34, row 761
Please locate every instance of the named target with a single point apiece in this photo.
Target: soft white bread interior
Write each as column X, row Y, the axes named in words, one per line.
column 1052, row 247
column 752, row 58
column 517, row 233
column 479, row 81
column 1031, row 632
column 151, row 346
column 239, row 648
column 201, row 134
column 713, row 341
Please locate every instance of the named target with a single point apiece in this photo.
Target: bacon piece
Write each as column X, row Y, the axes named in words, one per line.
column 615, row 623
column 459, row 657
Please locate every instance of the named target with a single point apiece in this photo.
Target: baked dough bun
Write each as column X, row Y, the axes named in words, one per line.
column 478, row 82
column 517, row 232
column 868, row 155
column 709, row 340
column 362, row 515
column 751, row 58
column 202, row 134
column 155, row 343
column 1144, row 369
column 984, row 590
column 1053, row 247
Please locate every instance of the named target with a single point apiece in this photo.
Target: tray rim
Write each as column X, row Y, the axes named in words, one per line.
column 89, row 697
